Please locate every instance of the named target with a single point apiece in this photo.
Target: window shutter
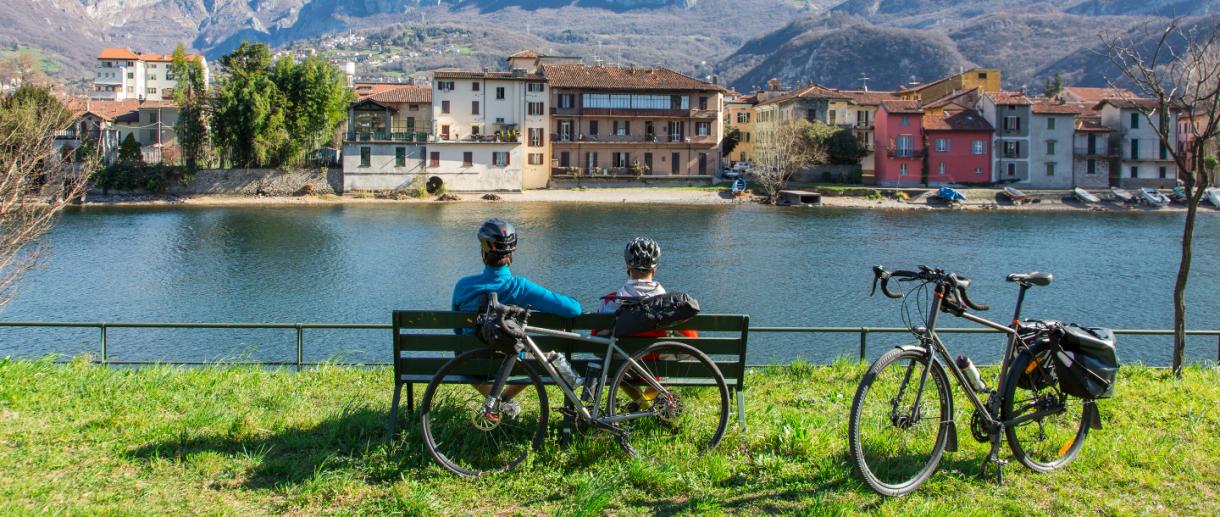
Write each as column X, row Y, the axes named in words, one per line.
column 506, row 157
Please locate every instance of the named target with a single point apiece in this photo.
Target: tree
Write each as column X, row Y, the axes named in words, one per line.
column 1178, row 67
column 36, row 181
column 731, row 138
column 316, row 98
column 129, row 150
column 1053, row 86
column 785, row 151
column 191, row 97
column 248, row 125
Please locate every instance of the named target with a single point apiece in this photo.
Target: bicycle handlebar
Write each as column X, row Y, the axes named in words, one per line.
column 955, row 285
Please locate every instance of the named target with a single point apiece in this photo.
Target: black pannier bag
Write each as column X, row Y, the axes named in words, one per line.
column 663, row 311
column 1086, row 361
column 496, row 327
column 1041, row 337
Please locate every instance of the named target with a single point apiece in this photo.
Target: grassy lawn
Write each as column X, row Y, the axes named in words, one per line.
column 83, row 439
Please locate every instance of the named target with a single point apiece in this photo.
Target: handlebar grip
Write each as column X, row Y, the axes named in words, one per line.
column 961, row 295
column 885, row 288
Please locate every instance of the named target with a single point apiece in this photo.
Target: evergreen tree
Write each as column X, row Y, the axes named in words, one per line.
column 191, row 97
column 316, row 98
column 129, row 150
column 732, row 137
column 248, row 123
column 1053, row 86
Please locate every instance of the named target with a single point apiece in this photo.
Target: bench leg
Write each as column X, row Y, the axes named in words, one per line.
column 741, row 410
column 394, row 410
column 410, row 397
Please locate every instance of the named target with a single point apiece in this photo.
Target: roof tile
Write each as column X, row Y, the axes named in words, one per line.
column 622, row 78
column 966, row 120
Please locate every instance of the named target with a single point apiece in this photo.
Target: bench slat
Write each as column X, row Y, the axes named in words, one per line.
column 451, row 320
column 455, row 343
column 428, row 366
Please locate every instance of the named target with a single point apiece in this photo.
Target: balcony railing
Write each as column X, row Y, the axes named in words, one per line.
column 476, row 139
column 387, row 136
column 1095, row 151
column 632, row 139
column 631, row 112
column 906, row 153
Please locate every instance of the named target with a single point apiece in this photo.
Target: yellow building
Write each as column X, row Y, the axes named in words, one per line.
column 739, row 115
column 986, row 79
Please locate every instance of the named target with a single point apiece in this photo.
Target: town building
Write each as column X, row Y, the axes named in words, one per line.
column 1142, row 160
column 958, row 144
column 857, row 110
column 1065, row 149
column 1093, row 154
column 106, row 124
column 387, row 134
column 1009, row 113
column 626, row 120
column 739, row 114
column 982, row 79
column 121, row 74
column 899, row 143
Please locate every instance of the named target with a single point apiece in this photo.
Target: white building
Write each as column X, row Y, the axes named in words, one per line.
column 121, row 75
column 1141, row 161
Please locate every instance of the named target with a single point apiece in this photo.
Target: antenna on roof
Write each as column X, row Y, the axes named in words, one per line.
column 864, row 81
column 597, row 58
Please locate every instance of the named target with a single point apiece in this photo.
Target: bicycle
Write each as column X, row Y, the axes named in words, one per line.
column 900, row 427
column 479, row 432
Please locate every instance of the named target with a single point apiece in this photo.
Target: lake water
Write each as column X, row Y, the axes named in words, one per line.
column 784, row 267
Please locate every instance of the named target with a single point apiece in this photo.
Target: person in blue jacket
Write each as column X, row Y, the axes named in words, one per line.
column 498, row 240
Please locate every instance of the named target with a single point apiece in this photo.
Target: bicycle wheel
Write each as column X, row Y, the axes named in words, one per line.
column 896, row 445
column 460, row 437
column 1050, row 441
column 695, row 415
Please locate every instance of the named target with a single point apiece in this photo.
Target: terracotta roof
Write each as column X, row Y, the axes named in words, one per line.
column 117, row 53
column 112, row 110
column 166, row 58
column 1059, row 107
column 1129, row 103
column 463, row 74
column 743, row 99
column 404, row 95
column 1085, row 94
column 869, row 97
column 157, row 104
column 129, row 117
column 918, row 87
column 1091, row 125
column 622, row 78
column 1009, row 98
column 899, row 106
column 813, row 91
column 967, row 120
column 365, row 89
column 966, row 99
column 527, row 53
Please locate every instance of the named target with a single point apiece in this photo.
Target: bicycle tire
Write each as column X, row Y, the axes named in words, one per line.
column 862, row 449
column 668, row 362
column 1043, row 452
column 448, row 434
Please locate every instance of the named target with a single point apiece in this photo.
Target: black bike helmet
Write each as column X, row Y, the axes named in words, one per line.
column 642, row 254
column 497, row 237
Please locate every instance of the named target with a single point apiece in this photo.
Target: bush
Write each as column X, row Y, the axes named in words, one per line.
column 128, row 177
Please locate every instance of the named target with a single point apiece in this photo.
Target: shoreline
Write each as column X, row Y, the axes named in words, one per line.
column 980, row 200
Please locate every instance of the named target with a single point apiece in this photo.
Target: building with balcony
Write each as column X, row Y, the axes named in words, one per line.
column 387, row 132
column 1092, row 155
column 739, row 114
column 899, row 143
column 633, row 121
column 958, row 147
column 1009, row 113
column 1062, row 144
column 857, row 110
column 1142, row 160
column 121, row 74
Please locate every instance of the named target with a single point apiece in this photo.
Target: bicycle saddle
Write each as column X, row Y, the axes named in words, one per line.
column 1034, row 278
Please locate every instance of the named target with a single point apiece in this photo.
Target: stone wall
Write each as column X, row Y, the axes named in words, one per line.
column 266, row 182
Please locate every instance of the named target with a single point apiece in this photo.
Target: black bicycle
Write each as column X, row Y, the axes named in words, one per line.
column 902, row 415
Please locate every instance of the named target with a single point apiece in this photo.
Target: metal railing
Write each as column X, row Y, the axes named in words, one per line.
column 300, row 328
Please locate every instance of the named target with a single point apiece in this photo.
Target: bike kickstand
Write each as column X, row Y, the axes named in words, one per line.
column 993, row 457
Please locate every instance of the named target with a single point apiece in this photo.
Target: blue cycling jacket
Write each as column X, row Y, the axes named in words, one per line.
column 510, row 290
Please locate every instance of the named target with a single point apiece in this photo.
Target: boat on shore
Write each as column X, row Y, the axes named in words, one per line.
column 1213, row 196
column 950, row 194
column 1153, row 197
column 739, row 187
column 1085, row 196
column 1178, row 194
column 1121, row 195
column 1015, row 195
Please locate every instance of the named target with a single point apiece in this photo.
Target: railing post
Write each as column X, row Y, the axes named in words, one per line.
column 300, row 345
column 863, row 342
column 105, row 349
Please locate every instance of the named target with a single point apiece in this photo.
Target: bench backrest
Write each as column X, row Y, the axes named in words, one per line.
column 425, row 340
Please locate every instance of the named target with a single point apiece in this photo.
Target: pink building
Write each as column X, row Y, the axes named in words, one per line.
column 959, row 147
column 899, row 143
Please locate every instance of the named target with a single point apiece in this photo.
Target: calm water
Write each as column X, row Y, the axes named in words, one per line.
column 781, row 266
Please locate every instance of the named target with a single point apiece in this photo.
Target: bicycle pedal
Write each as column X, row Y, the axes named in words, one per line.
column 625, row 443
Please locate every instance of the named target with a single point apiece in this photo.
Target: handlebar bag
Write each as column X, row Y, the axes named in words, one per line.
column 653, row 313
column 496, row 328
column 1086, row 361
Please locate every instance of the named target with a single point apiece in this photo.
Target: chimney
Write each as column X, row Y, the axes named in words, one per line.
column 715, row 80
column 518, row 73
column 773, row 85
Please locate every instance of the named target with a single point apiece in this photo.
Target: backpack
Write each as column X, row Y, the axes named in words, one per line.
column 662, row 311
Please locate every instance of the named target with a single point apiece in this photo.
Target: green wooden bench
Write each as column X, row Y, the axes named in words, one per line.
column 424, row 341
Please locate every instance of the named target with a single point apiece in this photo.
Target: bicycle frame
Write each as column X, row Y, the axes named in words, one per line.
column 569, row 392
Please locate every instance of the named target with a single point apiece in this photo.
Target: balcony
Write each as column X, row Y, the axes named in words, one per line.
column 703, row 113
column 476, row 139
column 906, row 153
column 632, row 139
column 630, row 112
column 1099, row 152
column 386, row 136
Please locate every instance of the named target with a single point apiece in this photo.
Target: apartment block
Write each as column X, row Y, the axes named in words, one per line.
column 899, row 141
column 958, row 147
column 121, row 74
column 1009, row 113
column 1142, row 161
column 618, row 120
column 739, row 114
column 388, row 130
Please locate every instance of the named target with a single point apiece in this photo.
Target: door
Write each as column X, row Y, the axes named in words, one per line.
column 564, row 159
column 702, row 163
column 648, row 162
column 673, row 163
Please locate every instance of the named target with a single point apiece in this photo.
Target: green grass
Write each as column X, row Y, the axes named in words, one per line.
column 47, row 65
column 83, row 439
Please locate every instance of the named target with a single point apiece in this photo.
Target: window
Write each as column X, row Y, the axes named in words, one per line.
column 619, row 159
column 622, row 128
column 1135, row 171
column 978, row 147
column 444, row 131
column 565, row 130
column 591, row 159
column 400, row 156
column 410, row 123
column 702, row 103
column 1091, row 167
column 474, row 107
column 474, row 87
column 152, row 135
column 648, row 161
column 1012, row 148
column 638, row 102
column 1050, row 169
column 1012, row 124
column 535, row 158
column 978, row 170
column 500, row 92
column 444, row 85
column 834, row 116
column 151, row 90
column 1135, row 121
column 1050, row 147
column 905, row 149
column 1164, row 152
column 467, row 159
column 902, row 169
column 1050, row 123
column 535, row 108
column 942, row 145
column 152, row 65
column 1012, row 169
column 982, row 75
column 905, row 120
column 1135, row 148
column 413, row 107
column 499, row 159
column 131, row 75
column 567, row 100
column 152, row 77
column 1164, row 173
column 593, row 127
column 535, row 87
column 444, row 106
column 366, row 156
column 535, row 137
column 941, row 170
column 435, row 159
column 474, row 130
column 703, row 128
